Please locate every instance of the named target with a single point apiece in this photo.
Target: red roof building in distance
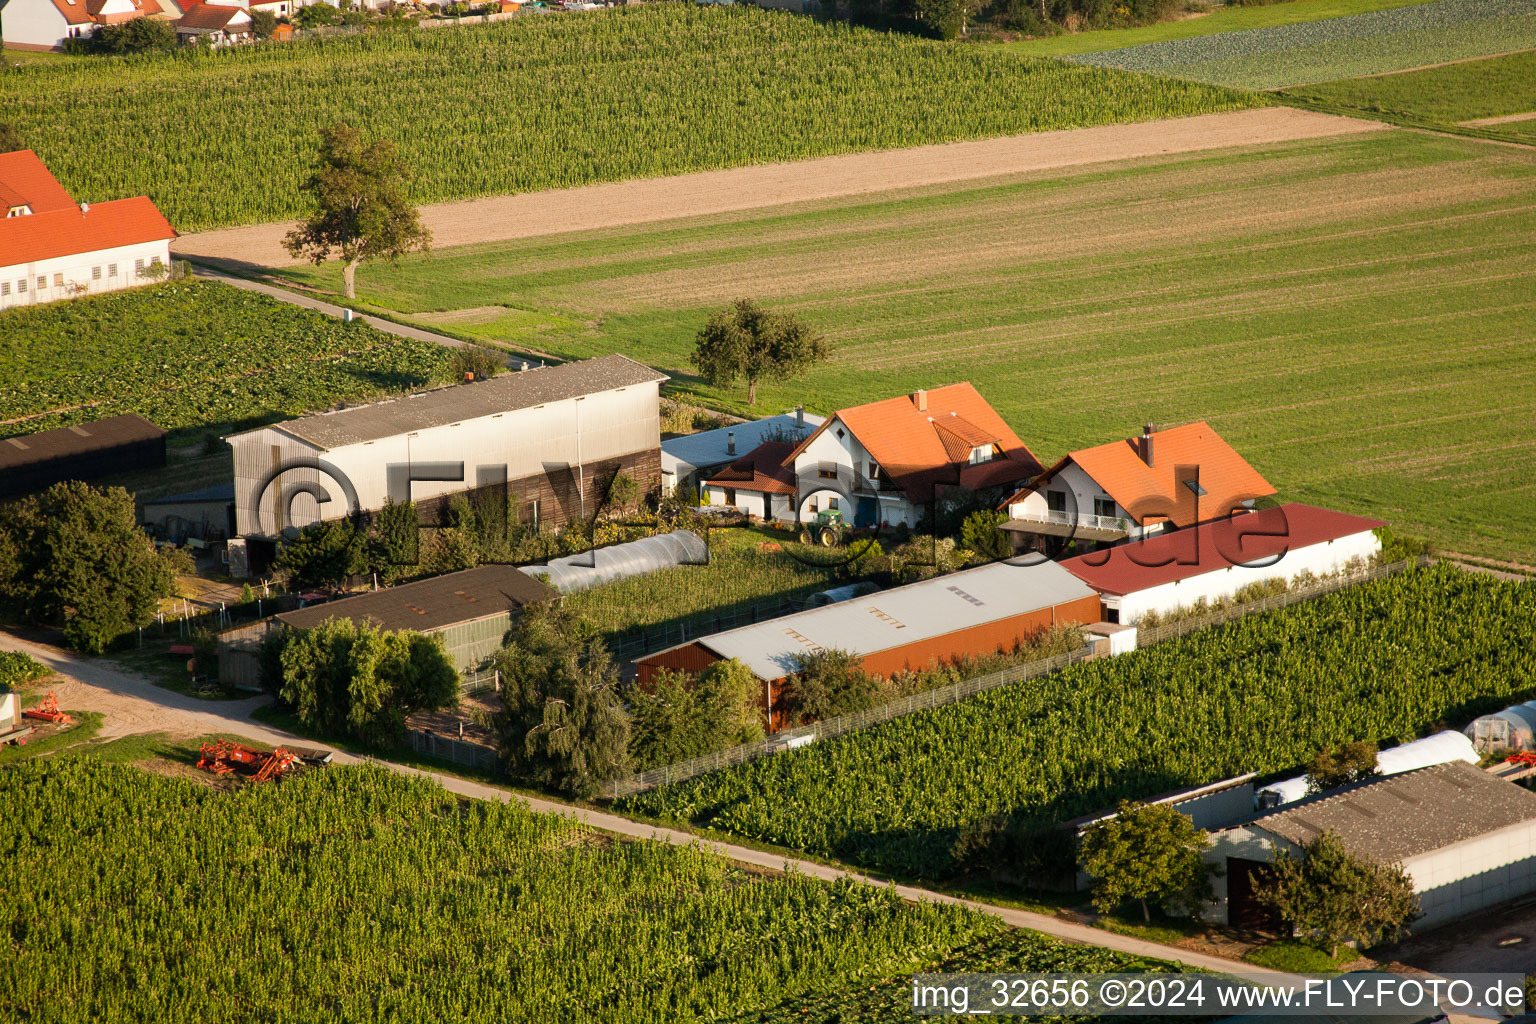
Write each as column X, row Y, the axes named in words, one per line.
column 758, row 483
column 1134, row 488
column 1214, row 561
column 52, row 249
column 887, row 462
column 50, row 24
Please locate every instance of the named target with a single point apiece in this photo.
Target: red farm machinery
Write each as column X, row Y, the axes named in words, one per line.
column 47, row 710
column 221, row 757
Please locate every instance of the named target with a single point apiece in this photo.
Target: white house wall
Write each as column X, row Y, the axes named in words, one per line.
column 750, row 502
column 852, row 461
column 1459, row 880
column 38, row 23
column 527, row 442
column 1318, row 559
column 73, row 276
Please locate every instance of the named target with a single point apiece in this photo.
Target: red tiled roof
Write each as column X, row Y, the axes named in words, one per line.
column 918, row 449
column 1241, row 539
column 74, row 13
column 44, row 236
column 761, row 469
column 23, row 175
column 211, row 17
column 1154, row 493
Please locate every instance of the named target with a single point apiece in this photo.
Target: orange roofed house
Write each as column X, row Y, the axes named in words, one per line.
column 1131, row 489
column 51, row 249
column 885, row 463
column 49, row 24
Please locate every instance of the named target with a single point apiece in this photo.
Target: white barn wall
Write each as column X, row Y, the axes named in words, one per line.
column 77, row 270
column 1469, row 876
column 1318, row 559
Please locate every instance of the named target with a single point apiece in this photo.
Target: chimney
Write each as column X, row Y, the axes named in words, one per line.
column 799, row 415
column 730, row 442
column 1146, row 444
column 920, row 399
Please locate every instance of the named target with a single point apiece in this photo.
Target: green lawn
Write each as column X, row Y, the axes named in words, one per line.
column 1353, row 314
column 1445, row 95
column 1221, row 19
column 1347, row 47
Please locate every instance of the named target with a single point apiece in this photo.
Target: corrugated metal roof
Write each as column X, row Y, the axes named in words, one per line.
column 900, row 616
column 683, row 455
column 430, row 604
column 459, row 402
column 1400, row 816
column 218, row 492
column 79, row 439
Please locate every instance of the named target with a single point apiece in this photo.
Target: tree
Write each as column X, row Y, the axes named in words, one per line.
column 346, row 677
column 74, row 556
column 1332, row 895
column 1146, row 853
column 1349, row 763
column 945, row 18
column 980, row 533
column 745, row 341
column 393, row 544
column 828, row 683
column 682, row 715
column 10, row 141
column 141, row 35
column 263, row 24
column 361, row 210
column 325, row 554
column 316, row 16
column 561, row 724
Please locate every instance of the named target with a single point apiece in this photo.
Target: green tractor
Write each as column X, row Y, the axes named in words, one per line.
column 827, row 529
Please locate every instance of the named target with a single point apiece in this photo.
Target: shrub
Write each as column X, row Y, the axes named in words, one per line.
column 683, row 715
column 17, row 669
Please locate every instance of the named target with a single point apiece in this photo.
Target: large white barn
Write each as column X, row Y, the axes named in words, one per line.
column 552, row 436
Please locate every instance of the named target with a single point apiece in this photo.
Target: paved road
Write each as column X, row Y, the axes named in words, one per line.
column 133, row 705
column 298, row 299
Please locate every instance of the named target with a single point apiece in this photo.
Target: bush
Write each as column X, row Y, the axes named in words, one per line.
column 17, row 669
column 825, row 684
column 980, row 533
column 475, row 361
column 685, row 715
column 141, row 35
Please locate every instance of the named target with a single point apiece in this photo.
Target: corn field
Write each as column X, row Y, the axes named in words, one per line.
column 1381, row 661
column 544, row 102
column 356, row 894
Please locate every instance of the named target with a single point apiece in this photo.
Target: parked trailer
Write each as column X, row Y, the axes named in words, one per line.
column 17, row 736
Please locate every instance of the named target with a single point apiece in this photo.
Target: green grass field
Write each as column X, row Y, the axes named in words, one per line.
column 542, row 102
column 1220, row 19
column 1353, row 314
column 1346, row 47
column 1439, row 97
column 193, row 354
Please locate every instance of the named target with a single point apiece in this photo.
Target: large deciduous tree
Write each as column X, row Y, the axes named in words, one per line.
column 561, row 724
column 746, row 342
column 74, row 556
column 825, row 684
column 1338, row 767
column 361, row 212
column 681, row 715
column 1146, row 853
column 345, row 677
column 1329, row 894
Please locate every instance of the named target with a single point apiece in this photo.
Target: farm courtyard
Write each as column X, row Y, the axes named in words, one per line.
column 1354, row 314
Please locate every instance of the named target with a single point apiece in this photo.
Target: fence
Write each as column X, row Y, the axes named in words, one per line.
column 472, row 755
column 480, row 681
column 792, row 738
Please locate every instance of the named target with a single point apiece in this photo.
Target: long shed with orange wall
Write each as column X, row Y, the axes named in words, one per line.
column 965, row 614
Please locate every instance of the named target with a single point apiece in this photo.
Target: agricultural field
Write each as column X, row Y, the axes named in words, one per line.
column 355, row 894
column 1348, row 47
column 1215, row 19
column 1353, row 314
column 1382, row 661
column 193, row 354
column 1455, row 94
column 546, row 102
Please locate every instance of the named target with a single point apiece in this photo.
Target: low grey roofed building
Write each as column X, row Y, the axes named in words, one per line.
column 431, row 604
column 207, row 513
column 83, row 451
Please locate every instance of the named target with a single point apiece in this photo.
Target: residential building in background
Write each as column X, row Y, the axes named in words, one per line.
column 690, row 459
column 51, row 248
column 49, row 24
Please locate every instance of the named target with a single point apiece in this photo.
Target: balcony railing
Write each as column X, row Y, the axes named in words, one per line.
column 1074, row 519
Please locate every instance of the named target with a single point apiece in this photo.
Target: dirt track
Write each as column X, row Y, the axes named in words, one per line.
column 745, row 188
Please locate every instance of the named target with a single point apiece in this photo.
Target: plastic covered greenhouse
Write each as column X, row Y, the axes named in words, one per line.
column 621, row 561
column 1512, row 729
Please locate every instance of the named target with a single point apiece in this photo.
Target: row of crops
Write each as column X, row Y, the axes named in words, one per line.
column 540, row 102
column 356, row 894
column 1318, row 51
column 193, row 353
column 1381, row 661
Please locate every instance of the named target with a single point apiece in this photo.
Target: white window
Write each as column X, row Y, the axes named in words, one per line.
column 5, row 287
column 21, row 286
column 983, row 453
column 95, row 273
column 111, row 269
column 42, row 282
column 58, row 280
column 138, row 266
column 154, row 261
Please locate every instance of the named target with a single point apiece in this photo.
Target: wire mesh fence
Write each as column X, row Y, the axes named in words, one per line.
column 954, row 692
column 471, row 755
column 480, row 681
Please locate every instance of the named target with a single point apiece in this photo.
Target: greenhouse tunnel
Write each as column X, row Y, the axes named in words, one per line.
column 621, row 561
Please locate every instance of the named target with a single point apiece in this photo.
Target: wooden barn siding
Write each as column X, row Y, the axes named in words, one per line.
column 974, row 641
column 557, row 494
